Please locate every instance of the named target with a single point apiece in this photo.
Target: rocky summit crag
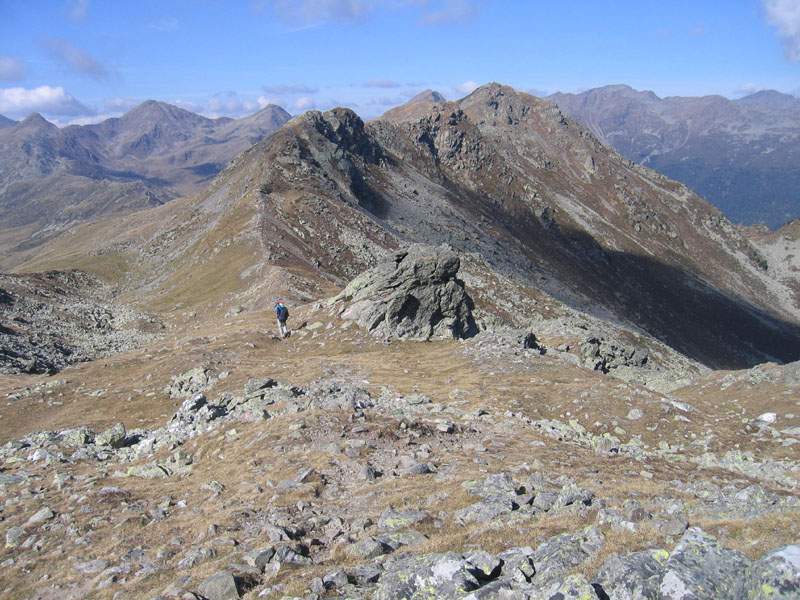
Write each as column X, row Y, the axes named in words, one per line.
column 414, row 294
column 519, row 366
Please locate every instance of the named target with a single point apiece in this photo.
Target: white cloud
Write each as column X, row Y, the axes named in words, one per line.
column 120, row 105
column 442, row 12
column 299, row 88
column 453, row 12
column 747, row 89
column 302, row 104
column 296, row 11
column 77, row 11
column 165, row 25
column 189, row 105
column 76, row 59
column 785, row 15
column 229, row 104
column 466, row 88
column 382, row 83
column 533, row 91
column 12, row 69
column 43, row 99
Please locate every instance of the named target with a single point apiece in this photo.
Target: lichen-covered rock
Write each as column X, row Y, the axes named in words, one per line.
column 634, row 576
column 392, row 519
column 78, row 436
column 413, row 294
column 700, row 568
column 426, row 577
column 774, row 577
column 191, row 382
column 560, row 554
column 113, row 436
column 571, row 587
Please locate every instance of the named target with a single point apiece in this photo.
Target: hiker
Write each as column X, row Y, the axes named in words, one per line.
column 283, row 314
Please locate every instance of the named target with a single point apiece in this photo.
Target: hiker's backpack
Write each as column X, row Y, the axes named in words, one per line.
column 283, row 313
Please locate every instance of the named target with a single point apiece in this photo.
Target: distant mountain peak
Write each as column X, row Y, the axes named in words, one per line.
column 156, row 110
column 37, row 121
column 770, row 99
column 427, row 96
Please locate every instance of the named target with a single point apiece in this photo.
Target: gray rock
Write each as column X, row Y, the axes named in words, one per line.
column 392, row 519
column 518, row 564
column 414, row 293
column 191, row 382
column 14, row 536
column 572, row 494
column 634, row 576
column 366, row 573
column 485, row 565
column 485, row 510
column 260, row 557
column 92, row 566
column 700, row 568
column 369, row 548
column 79, row 436
column 674, row 525
column 113, row 436
column 774, row 577
column 571, row 587
column 336, row 579
column 42, row 515
column 426, row 577
column 560, row 554
column 219, row 586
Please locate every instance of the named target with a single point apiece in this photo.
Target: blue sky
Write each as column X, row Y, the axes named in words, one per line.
column 85, row 60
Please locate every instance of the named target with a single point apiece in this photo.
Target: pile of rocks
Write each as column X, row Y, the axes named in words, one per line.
column 55, row 319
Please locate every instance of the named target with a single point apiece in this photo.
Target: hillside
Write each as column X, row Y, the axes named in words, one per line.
column 739, row 155
column 520, row 366
column 52, row 179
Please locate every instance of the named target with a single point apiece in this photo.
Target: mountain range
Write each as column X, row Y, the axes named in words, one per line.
column 740, row 155
column 520, row 365
column 51, row 178
column 501, row 175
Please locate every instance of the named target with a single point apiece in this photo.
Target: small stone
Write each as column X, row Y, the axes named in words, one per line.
column 42, row 515
column 220, row 586
column 92, row 566
column 14, row 536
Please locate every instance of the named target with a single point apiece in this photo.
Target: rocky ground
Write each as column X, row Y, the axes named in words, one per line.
column 51, row 320
column 221, row 462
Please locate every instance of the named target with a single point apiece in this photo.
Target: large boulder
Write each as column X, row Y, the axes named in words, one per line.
column 412, row 294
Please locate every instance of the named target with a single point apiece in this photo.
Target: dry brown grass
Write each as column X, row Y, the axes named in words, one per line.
column 536, row 388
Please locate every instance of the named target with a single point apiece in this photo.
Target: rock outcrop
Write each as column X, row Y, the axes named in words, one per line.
column 413, row 294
